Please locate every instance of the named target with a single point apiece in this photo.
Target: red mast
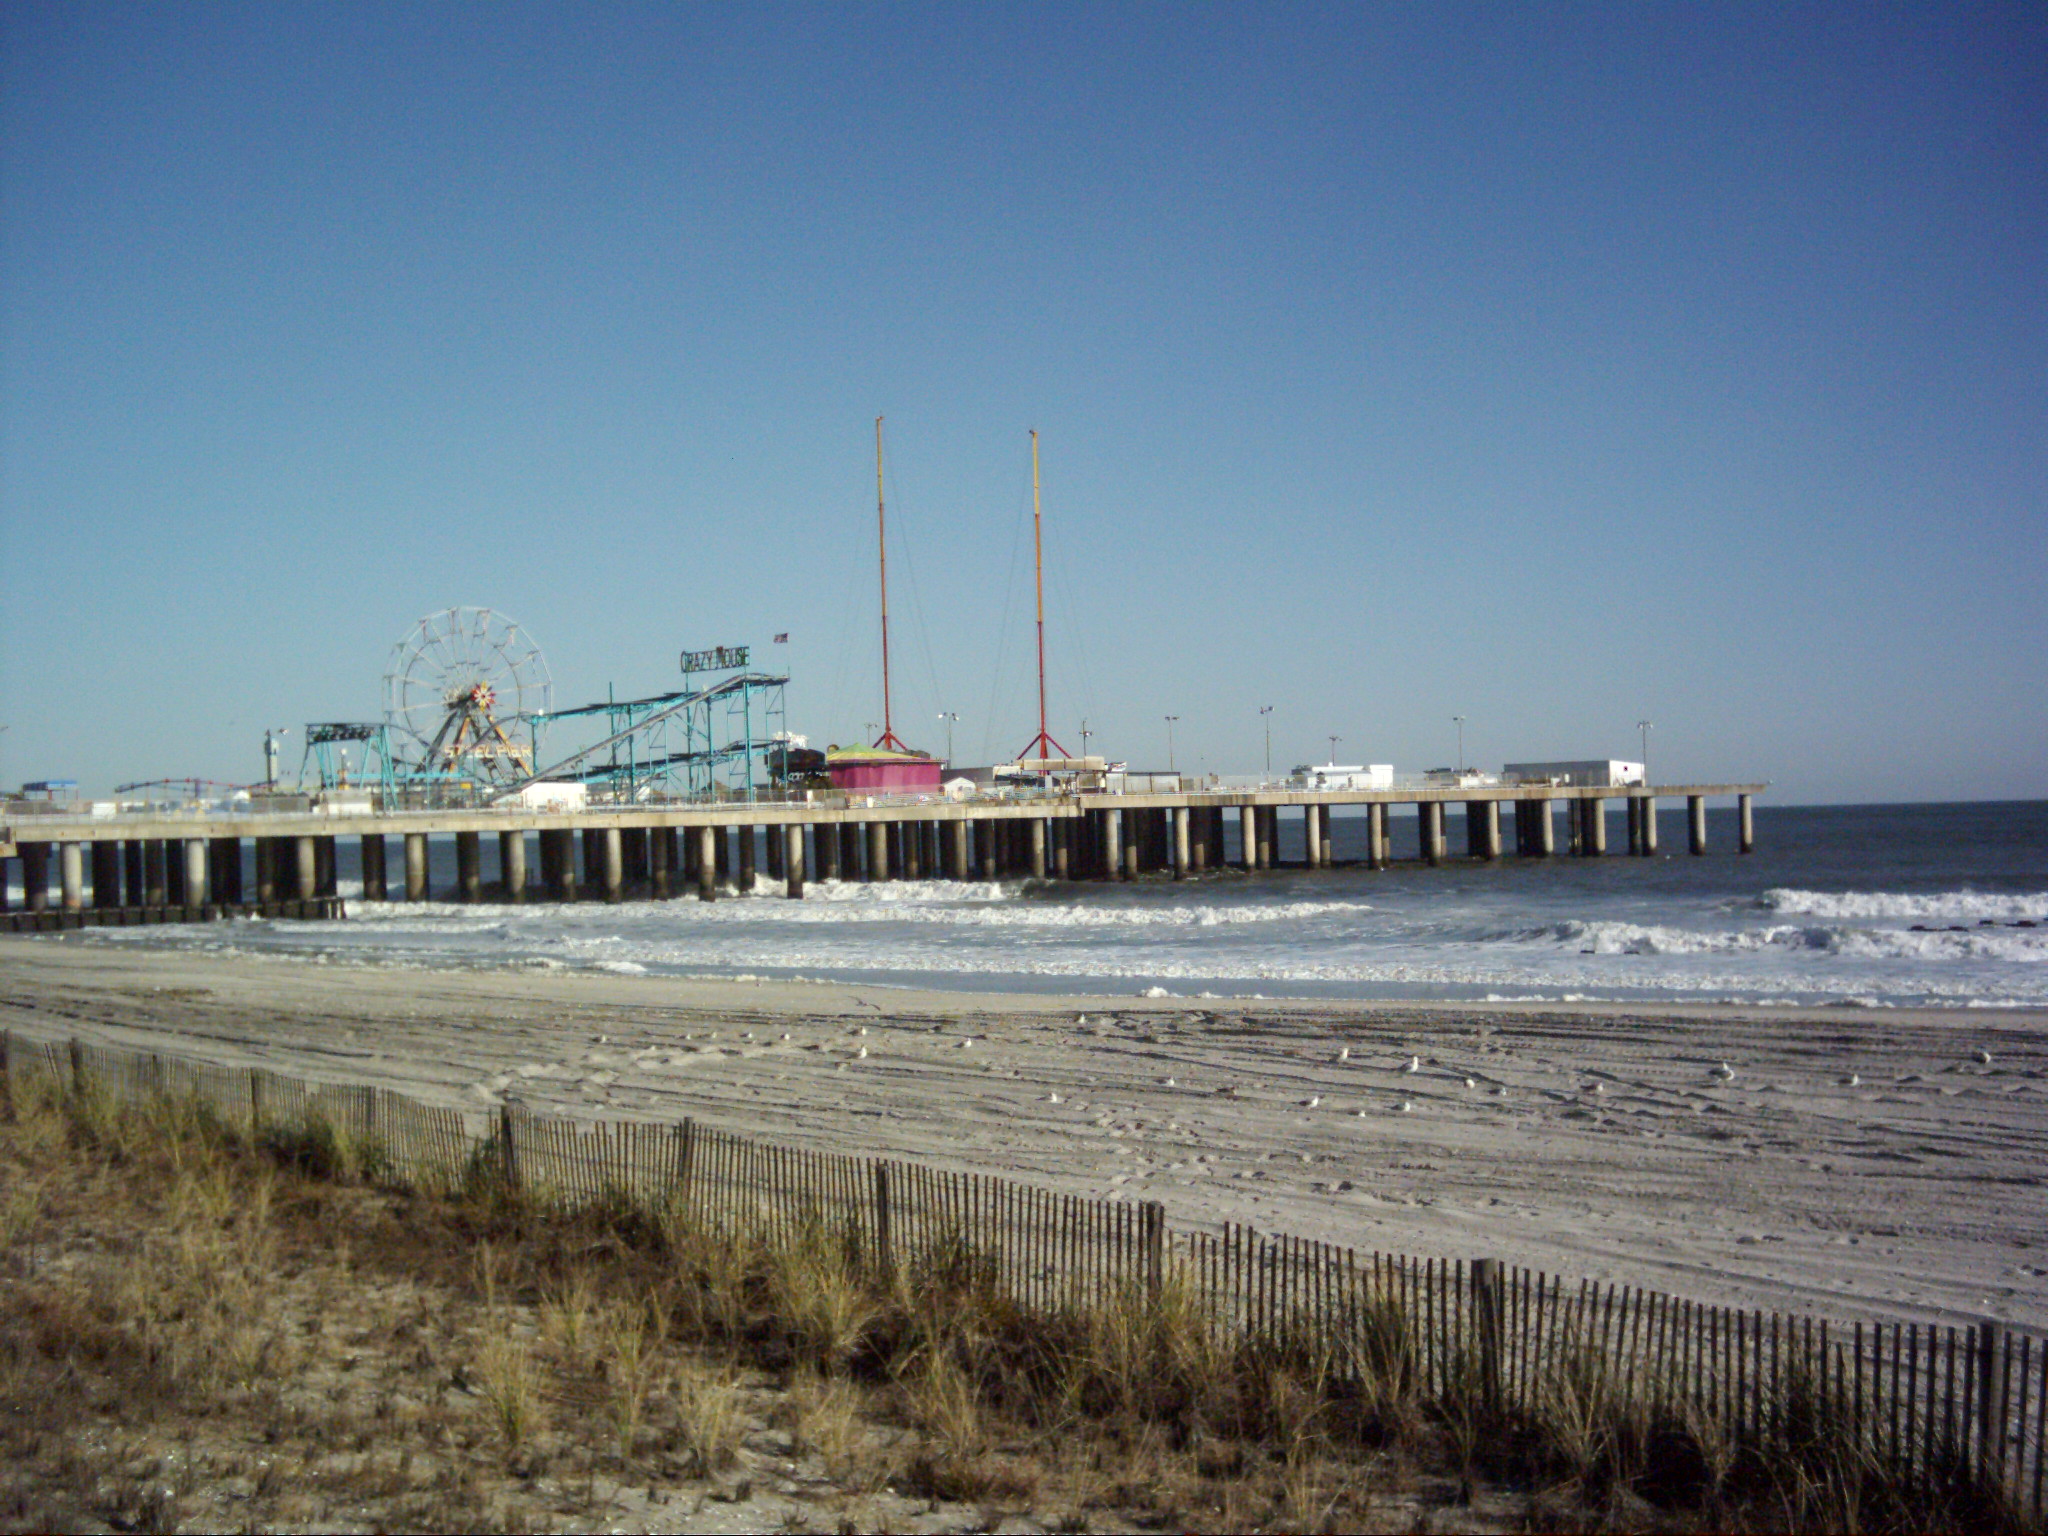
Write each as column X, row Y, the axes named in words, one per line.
column 1042, row 746
column 888, row 737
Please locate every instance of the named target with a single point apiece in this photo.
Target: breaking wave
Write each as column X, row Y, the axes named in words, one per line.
column 1621, row 938
column 1938, row 907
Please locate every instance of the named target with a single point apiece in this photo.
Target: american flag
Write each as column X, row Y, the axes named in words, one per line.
column 783, row 638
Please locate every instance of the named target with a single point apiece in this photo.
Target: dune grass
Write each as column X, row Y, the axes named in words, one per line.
column 203, row 1328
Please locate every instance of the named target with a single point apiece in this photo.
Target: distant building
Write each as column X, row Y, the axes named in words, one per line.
column 1596, row 773
column 1344, row 776
column 875, row 771
column 552, row 795
column 1460, row 778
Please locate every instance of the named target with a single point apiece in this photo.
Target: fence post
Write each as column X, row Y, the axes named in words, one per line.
column 506, row 1151
column 686, row 1154
column 77, row 1067
column 1990, row 1428
column 1486, row 1307
column 1155, row 1247
column 885, row 1251
column 7, row 1071
column 255, row 1102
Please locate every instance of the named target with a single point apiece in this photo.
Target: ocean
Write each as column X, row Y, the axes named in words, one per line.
column 1882, row 906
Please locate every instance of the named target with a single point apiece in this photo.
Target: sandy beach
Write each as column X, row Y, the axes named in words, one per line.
column 1854, row 1162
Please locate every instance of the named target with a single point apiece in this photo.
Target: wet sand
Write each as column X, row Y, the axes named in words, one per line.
column 1857, row 1163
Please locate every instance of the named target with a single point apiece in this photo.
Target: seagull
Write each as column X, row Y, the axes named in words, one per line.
column 1343, row 1053
column 862, row 1052
column 964, row 1044
column 785, row 1034
column 1312, row 1101
column 862, row 1030
column 1414, row 1064
column 1852, row 1081
column 1983, row 1056
column 1406, row 1107
column 1725, row 1072
column 1469, row 1083
column 1359, row 1113
column 1167, row 1082
column 1500, row 1090
column 1052, row 1098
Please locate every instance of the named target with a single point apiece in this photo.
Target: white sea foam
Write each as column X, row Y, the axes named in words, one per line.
column 1610, row 937
column 1936, row 907
column 989, row 906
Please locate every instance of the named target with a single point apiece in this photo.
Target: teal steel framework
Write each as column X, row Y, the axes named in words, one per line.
column 708, row 743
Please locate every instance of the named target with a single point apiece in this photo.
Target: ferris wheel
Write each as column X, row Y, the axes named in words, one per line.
column 459, row 693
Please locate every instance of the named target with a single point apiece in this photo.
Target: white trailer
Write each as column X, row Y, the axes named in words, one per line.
column 1344, row 776
column 551, row 795
column 1595, row 773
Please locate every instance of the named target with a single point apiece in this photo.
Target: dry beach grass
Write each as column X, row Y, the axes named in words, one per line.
column 199, row 1331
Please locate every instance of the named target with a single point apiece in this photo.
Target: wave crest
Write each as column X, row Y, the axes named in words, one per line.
column 1938, row 906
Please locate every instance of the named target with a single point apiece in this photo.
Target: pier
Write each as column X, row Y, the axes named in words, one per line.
column 169, row 866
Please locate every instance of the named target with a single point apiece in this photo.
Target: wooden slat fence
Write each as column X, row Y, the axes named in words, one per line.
column 1938, row 1405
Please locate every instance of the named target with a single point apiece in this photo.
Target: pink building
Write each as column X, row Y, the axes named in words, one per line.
column 869, row 771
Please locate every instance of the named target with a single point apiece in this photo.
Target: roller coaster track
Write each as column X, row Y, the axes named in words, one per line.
column 571, row 767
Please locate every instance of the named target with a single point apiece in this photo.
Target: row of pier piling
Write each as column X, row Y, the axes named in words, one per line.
column 294, row 875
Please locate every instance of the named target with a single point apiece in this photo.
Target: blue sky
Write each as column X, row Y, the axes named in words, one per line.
column 1556, row 366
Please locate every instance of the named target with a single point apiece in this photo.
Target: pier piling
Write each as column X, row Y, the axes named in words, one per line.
column 791, row 836
column 511, row 864
column 1593, row 835
column 1429, row 820
column 106, row 875
column 469, row 867
column 71, row 875
column 196, row 889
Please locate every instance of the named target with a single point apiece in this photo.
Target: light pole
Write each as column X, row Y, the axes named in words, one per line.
column 1333, row 750
column 1085, row 734
column 1169, row 743
column 949, row 717
column 1266, row 715
column 1460, row 720
column 1645, row 727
